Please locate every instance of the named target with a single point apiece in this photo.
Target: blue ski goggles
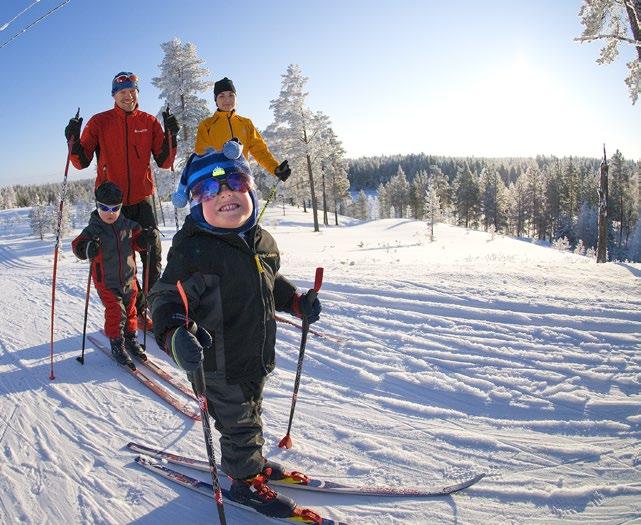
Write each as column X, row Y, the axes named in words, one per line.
column 107, row 207
column 209, row 188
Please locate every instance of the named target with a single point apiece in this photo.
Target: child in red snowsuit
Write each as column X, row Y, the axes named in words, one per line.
column 109, row 240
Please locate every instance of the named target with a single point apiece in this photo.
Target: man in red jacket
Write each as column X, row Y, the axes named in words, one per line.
column 123, row 140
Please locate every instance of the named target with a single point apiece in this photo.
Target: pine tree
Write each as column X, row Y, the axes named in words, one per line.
column 586, row 226
column 432, row 209
column 634, row 247
column 420, row 185
column 517, row 203
column 361, row 206
column 398, row 192
column 616, row 22
column 40, row 219
column 493, row 200
column 7, row 198
column 620, row 204
column 466, row 197
column 297, row 133
column 182, row 78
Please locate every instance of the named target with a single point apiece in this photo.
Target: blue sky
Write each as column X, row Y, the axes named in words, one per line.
column 493, row 78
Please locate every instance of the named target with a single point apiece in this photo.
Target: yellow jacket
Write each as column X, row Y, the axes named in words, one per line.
column 214, row 131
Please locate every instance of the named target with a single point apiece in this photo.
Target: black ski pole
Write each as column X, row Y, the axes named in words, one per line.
column 57, row 247
column 84, row 324
column 199, row 386
column 145, row 291
column 286, row 442
column 173, row 171
column 269, row 199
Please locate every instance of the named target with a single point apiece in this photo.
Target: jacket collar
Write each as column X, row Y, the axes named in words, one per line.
column 122, row 113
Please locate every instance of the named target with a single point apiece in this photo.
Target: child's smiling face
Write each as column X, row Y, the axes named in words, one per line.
column 228, row 209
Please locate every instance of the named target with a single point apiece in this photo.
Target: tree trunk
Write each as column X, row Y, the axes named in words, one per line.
column 634, row 13
column 602, row 242
column 313, row 193
column 325, row 219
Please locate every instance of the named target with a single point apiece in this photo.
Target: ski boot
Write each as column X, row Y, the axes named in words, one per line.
column 253, row 492
column 119, row 352
column 133, row 347
column 276, row 472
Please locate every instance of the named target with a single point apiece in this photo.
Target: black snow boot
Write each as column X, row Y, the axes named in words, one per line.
column 119, row 352
column 133, row 347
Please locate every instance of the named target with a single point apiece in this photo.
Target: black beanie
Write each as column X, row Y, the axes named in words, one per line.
column 224, row 84
column 108, row 193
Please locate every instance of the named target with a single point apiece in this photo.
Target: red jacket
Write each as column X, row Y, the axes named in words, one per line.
column 123, row 143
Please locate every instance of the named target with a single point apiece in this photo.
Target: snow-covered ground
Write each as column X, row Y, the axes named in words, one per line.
column 462, row 355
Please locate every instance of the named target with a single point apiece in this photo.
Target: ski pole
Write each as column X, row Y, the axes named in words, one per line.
column 199, row 386
column 84, row 325
column 145, row 291
column 269, row 199
column 286, row 442
column 57, row 247
column 173, row 171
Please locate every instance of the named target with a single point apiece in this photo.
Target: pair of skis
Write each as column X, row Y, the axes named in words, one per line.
column 156, row 387
column 155, row 460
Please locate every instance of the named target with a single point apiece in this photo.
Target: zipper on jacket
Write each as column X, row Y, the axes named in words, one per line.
column 127, row 157
column 261, row 272
column 258, row 264
column 231, row 129
column 117, row 238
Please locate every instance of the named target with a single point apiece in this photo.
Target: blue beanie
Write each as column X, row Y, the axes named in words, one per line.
column 212, row 163
column 130, row 83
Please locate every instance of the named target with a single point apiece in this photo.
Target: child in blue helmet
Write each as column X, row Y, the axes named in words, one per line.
column 229, row 268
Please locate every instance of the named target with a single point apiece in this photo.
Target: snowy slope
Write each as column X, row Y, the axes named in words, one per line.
column 465, row 354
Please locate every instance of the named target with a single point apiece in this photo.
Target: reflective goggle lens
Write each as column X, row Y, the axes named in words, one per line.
column 126, row 78
column 105, row 207
column 209, row 188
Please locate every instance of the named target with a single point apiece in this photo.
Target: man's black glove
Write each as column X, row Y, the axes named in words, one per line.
column 283, row 171
column 91, row 249
column 147, row 238
column 170, row 123
column 186, row 346
column 73, row 129
column 306, row 305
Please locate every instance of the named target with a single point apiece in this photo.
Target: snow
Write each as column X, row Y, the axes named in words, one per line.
column 467, row 354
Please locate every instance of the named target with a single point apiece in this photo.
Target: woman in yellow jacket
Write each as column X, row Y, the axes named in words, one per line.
column 226, row 124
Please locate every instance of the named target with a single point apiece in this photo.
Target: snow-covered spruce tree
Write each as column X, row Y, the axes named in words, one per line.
column 334, row 181
column 634, row 246
column 517, row 205
column 466, row 197
column 182, row 78
column 361, row 207
column 40, row 219
column 493, row 200
column 8, row 198
column 620, row 199
column 535, row 195
column 384, row 205
column 420, row 185
column 398, row 192
column 297, row 133
column 586, row 225
column 615, row 22
column 432, row 208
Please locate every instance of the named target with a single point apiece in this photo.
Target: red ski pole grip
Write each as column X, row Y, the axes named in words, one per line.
column 318, row 279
